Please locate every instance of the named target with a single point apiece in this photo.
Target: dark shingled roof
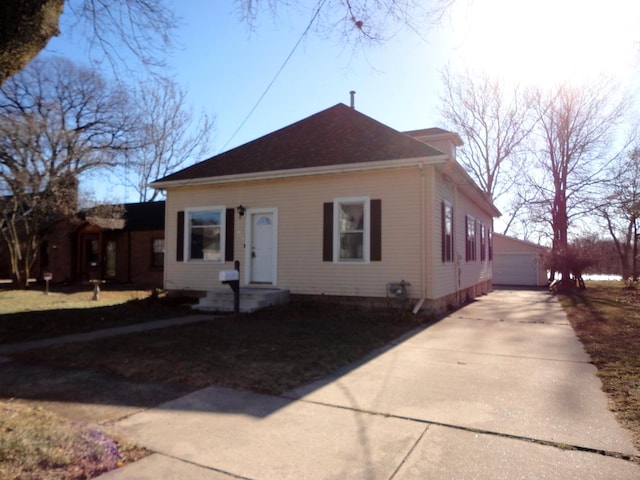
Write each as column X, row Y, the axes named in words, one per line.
column 144, row 216
column 136, row 217
column 335, row 136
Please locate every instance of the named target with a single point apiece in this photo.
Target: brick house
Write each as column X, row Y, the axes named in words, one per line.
column 124, row 250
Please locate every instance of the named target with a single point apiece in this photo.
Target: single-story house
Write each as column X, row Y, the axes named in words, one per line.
column 518, row 262
column 337, row 204
column 126, row 249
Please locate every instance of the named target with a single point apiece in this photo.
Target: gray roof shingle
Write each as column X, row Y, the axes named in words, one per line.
column 335, row 136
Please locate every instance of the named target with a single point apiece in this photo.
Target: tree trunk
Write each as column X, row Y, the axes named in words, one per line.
column 25, row 28
column 560, row 234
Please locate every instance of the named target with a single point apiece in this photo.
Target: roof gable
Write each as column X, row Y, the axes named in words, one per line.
column 504, row 243
column 436, row 134
column 336, row 136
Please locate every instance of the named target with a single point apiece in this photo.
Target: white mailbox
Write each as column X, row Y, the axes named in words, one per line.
column 228, row 275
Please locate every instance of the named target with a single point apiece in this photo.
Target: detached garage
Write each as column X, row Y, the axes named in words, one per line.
column 517, row 262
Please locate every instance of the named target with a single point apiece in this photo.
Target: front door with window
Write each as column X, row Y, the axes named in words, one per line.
column 262, row 247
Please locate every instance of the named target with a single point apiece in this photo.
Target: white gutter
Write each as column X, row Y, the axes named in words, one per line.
column 457, row 273
column 423, row 235
column 300, row 172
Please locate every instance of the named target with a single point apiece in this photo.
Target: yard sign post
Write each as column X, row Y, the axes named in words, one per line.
column 47, row 276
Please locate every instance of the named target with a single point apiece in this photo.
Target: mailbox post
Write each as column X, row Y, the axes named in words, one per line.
column 232, row 278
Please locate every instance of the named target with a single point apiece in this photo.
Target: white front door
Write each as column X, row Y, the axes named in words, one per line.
column 262, row 246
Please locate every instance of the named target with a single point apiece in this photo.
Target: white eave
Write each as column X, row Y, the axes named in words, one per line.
column 460, row 177
column 302, row 172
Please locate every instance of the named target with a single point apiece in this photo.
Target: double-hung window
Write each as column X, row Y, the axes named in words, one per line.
column 471, row 239
column 447, row 232
column 483, row 243
column 351, row 229
column 205, row 234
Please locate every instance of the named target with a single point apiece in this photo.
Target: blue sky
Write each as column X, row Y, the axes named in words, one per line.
column 225, row 67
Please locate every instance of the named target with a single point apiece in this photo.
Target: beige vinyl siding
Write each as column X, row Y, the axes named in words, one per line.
column 299, row 202
column 445, row 274
column 476, row 271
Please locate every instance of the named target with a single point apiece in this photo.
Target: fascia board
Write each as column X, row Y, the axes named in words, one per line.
column 301, row 172
column 464, row 181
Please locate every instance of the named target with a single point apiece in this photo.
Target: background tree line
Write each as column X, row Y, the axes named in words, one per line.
column 557, row 161
column 59, row 122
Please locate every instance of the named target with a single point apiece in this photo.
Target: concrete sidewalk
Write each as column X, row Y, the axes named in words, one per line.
column 500, row 389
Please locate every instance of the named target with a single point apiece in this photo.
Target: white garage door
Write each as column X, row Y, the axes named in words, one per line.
column 515, row 269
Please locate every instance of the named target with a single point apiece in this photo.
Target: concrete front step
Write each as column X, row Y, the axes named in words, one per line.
column 251, row 299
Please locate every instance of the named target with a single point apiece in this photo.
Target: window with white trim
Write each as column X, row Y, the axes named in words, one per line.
column 447, row 231
column 205, row 234
column 483, row 243
column 351, row 229
column 470, row 249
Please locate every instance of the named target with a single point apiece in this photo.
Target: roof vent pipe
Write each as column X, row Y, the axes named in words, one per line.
column 353, row 98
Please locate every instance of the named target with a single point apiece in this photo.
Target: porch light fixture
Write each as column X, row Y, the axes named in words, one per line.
column 241, row 209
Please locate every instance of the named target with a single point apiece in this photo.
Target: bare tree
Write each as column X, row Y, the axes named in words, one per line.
column 168, row 134
column 620, row 209
column 141, row 27
column 574, row 132
column 355, row 20
column 494, row 124
column 146, row 28
column 57, row 121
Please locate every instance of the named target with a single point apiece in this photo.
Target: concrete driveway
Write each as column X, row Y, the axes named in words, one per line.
column 500, row 389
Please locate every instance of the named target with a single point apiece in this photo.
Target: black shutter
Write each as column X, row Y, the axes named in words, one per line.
column 467, row 252
column 375, row 251
column 443, row 232
column 180, row 237
column 229, row 235
column 327, row 232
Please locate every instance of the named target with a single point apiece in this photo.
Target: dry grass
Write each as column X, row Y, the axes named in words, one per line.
column 30, row 314
column 270, row 351
column 606, row 318
column 36, row 444
column 20, row 301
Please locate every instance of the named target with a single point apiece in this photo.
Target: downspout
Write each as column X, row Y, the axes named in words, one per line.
column 423, row 234
column 457, row 274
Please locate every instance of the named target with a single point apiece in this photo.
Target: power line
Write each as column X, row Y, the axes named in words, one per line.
column 306, row 30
